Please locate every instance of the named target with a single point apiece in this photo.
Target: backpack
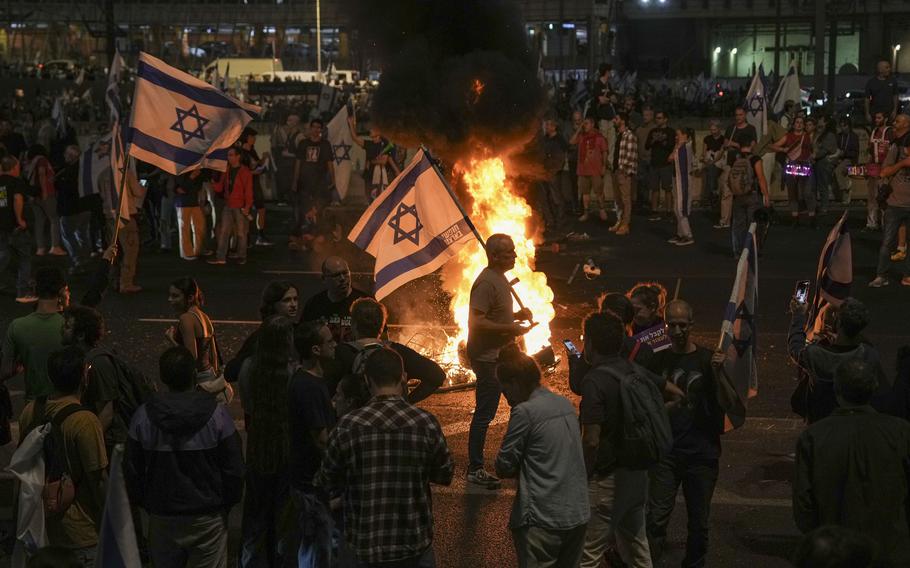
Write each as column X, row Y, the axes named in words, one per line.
column 742, row 176
column 645, row 436
column 59, row 485
column 133, row 386
column 362, row 353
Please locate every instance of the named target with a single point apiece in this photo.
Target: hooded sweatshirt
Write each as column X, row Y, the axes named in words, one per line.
column 183, row 455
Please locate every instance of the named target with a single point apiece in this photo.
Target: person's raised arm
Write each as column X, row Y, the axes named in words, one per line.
column 352, row 126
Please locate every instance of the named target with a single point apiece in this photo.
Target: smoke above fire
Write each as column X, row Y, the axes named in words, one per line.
column 457, row 76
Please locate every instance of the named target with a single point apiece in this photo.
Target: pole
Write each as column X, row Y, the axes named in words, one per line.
column 319, row 40
column 467, row 219
column 120, row 190
column 777, row 39
column 819, row 68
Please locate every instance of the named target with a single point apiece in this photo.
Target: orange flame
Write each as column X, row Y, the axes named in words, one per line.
column 497, row 209
column 476, row 90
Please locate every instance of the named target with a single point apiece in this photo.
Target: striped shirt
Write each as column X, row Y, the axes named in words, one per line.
column 383, row 457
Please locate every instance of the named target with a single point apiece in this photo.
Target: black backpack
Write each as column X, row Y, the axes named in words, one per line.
column 59, row 482
column 134, row 386
column 645, row 436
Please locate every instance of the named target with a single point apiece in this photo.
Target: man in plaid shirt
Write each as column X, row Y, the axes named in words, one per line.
column 625, row 166
column 383, row 457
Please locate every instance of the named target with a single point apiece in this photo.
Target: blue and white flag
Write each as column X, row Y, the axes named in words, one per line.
column 757, row 103
column 92, row 164
column 339, row 136
column 738, row 338
column 112, row 93
column 120, row 182
column 834, row 277
column 181, row 123
column 412, row 228
column 683, row 180
column 787, row 90
column 117, row 546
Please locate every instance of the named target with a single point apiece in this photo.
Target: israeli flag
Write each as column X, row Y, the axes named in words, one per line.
column 93, row 163
column 339, row 135
column 787, row 90
column 112, row 92
column 181, row 123
column 413, row 227
column 738, row 338
column 117, row 546
column 757, row 103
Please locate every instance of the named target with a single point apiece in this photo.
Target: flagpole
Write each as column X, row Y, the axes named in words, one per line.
column 467, row 219
column 119, row 213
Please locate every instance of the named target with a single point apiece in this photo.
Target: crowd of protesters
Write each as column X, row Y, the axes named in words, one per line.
column 338, row 460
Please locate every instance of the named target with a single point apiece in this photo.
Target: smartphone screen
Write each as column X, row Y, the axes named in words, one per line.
column 570, row 347
column 802, row 291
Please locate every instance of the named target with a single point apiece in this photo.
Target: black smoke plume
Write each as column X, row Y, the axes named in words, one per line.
column 457, row 75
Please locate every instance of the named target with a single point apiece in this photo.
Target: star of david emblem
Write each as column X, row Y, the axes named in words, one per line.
column 197, row 132
column 341, row 153
column 404, row 228
column 755, row 103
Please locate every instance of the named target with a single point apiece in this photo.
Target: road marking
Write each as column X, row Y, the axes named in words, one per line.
column 257, row 322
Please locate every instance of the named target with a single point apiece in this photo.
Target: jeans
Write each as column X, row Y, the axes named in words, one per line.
column 893, row 218
column 191, row 541
column 191, row 231
column 76, row 235
column 800, row 188
column 233, row 221
column 698, row 478
column 824, row 175
column 712, row 175
column 549, row 202
column 166, row 222
column 315, row 528
column 265, row 499
column 85, row 556
column 744, row 208
column 46, row 214
column 873, row 211
column 486, row 403
column 18, row 244
column 538, row 547
column 618, row 512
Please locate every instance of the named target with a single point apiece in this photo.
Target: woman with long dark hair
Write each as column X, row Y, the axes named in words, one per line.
column 40, row 174
column 264, row 387
column 195, row 331
column 797, row 147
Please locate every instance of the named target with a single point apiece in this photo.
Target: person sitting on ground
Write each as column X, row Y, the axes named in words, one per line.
column 820, row 359
column 368, row 321
column 189, row 484
column 851, row 467
column 83, row 443
column 333, row 305
column 542, row 448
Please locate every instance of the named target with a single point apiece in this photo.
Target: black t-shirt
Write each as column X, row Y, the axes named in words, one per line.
column 416, row 366
column 250, row 159
column 698, row 423
column 314, row 158
column 714, row 145
column 742, row 136
column 336, row 315
column 881, row 93
column 66, row 182
column 9, row 187
column 309, row 409
column 191, row 187
column 14, row 143
column 661, row 142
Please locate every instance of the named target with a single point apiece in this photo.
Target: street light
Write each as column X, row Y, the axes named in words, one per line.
column 733, row 51
column 717, row 50
column 894, row 51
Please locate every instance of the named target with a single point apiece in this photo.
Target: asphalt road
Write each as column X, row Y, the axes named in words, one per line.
column 751, row 517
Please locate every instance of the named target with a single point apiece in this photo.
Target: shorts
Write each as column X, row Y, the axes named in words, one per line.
column 660, row 177
column 591, row 185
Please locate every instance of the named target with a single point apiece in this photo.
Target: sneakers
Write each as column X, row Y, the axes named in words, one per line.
column 899, row 255
column 40, row 252
column 483, row 478
column 27, row 299
column 263, row 241
column 216, row 261
column 57, row 251
column 879, row 282
column 655, row 217
column 674, row 239
column 722, row 226
column 623, row 230
column 685, row 241
column 584, row 217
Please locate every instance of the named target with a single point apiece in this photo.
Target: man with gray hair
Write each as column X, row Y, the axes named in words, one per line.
column 852, row 467
column 492, row 325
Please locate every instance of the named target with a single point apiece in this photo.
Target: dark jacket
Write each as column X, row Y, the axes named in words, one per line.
column 183, row 455
column 852, row 470
column 820, row 360
column 642, row 355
